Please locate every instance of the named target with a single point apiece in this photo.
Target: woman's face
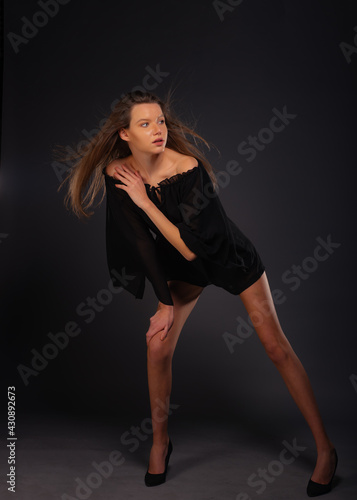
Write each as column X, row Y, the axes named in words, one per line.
column 147, row 130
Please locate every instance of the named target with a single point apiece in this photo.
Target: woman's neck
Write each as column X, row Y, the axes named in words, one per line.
column 151, row 166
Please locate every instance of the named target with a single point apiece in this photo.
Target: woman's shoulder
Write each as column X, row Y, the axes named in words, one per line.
column 188, row 163
column 184, row 162
column 110, row 168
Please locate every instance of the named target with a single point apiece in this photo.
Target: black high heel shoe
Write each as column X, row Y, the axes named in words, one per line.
column 317, row 489
column 156, row 479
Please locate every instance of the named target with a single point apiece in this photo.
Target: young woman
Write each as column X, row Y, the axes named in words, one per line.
column 157, row 181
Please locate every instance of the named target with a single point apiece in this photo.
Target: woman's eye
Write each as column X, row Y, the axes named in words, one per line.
column 146, row 124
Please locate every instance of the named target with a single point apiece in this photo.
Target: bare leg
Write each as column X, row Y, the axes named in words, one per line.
column 258, row 301
column 159, row 363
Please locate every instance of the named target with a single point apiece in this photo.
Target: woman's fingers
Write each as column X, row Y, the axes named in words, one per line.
column 125, row 169
column 128, row 173
column 151, row 333
column 164, row 333
column 160, row 322
column 122, row 175
column 153, row 330
column 120, row 172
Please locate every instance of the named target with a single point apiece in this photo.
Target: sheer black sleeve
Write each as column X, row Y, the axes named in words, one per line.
column 131, row 249
column 205, row 228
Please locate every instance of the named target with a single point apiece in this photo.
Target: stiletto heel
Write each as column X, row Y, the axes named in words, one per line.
column 317, row 489
column 156, row 479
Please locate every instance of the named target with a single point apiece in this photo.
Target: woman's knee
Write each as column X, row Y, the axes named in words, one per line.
column 159, row 351
column 279, row 351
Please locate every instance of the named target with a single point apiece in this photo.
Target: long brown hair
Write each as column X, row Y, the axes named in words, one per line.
column 85, row 179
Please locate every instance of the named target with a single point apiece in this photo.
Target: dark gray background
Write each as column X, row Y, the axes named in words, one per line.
column 229, row 75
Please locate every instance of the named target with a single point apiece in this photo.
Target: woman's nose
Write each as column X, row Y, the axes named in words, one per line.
column 156, row 128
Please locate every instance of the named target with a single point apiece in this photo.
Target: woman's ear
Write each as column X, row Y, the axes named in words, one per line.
column 123, row 134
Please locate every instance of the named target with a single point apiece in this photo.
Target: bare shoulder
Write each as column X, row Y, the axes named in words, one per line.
column 110, row 168
column 186, row 163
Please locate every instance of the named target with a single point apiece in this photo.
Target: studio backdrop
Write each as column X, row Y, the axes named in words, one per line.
column 272, row 87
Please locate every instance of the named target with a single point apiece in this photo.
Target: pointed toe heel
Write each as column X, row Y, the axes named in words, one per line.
column 317, row 489
column 156, row 479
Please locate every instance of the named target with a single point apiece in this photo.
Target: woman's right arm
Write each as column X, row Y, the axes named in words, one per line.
column 137, row 238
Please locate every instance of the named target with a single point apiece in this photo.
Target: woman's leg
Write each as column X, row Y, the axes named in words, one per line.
column 258, row 301
column 159, row 362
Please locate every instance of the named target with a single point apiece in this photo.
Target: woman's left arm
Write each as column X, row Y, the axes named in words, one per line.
column 135, row 188
column 167, row 229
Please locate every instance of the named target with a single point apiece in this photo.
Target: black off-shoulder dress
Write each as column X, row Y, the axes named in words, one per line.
column 136, row 249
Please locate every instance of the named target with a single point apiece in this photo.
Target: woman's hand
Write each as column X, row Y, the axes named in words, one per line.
column 160, row 322
column 133, row 184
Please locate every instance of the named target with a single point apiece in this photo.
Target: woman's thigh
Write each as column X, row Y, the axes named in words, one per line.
column 185, row 297
column 258, row 301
